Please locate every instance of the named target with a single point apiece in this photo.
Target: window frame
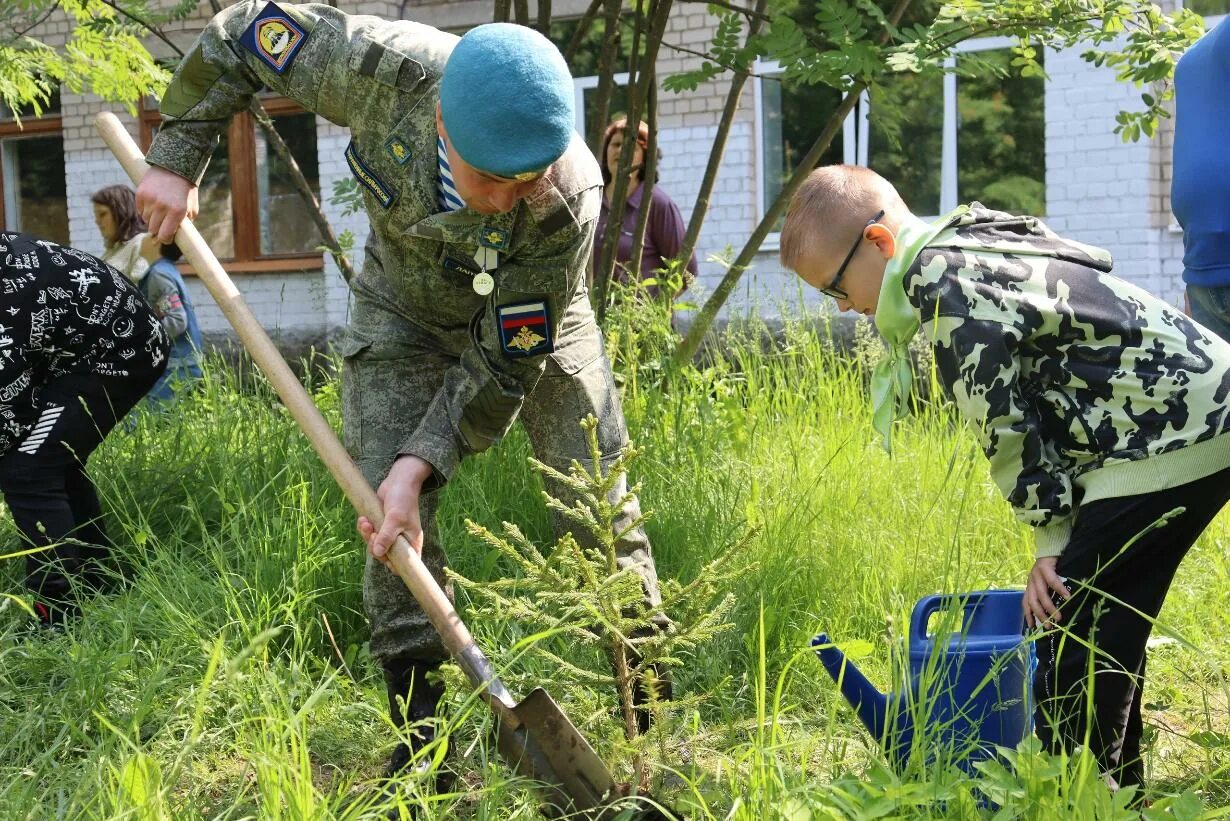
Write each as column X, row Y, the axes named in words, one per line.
column 45, row 125
column 582, row 84
column 856, row 133
column 245, row 198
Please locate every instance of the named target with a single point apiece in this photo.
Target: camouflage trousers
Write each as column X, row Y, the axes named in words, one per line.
column 390, row 374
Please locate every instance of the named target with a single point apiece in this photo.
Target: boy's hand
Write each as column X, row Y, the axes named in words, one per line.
column 1044, row 583
column 399, row 494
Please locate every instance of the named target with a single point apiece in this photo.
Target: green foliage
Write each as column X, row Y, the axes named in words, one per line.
column 236, row 659
column 838, row 43
column 578, row 590
column 727, row 51
column 104, row 53
column 347, row 195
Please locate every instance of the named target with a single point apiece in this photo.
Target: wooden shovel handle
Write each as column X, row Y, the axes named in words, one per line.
column 402, row 556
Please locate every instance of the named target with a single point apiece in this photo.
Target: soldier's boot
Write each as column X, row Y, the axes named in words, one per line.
column 413, row 702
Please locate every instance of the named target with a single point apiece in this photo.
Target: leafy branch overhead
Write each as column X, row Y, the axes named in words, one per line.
column 854, row 46
column 103, row 54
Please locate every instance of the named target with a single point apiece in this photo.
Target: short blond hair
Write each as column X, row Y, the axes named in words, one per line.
column 834, row 201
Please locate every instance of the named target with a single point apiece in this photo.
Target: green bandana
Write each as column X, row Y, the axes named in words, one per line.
column 897, row 322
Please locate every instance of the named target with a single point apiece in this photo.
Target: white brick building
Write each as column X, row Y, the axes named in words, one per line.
column 1097, row 189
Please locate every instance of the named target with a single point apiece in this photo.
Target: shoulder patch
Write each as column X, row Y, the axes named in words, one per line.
column 382, row 191
column 274, row 37
column 525, row 329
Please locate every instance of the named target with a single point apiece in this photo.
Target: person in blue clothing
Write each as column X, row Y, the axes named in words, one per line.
column 1200, row 185
column 163, row 288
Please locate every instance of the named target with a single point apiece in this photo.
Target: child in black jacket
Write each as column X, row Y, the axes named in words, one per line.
column 78, row 348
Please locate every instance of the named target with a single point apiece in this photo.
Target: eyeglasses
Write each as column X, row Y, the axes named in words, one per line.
column 831, row 290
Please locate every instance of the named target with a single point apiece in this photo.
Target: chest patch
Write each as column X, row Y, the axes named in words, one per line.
column 398, row 150
column 525, row 329
column 274, row 37
column 382, row 191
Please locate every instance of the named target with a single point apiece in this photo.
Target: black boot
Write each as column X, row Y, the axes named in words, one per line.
column 412, row 700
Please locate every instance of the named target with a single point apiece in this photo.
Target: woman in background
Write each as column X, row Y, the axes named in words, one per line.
column 665, row 229
column 121, row 227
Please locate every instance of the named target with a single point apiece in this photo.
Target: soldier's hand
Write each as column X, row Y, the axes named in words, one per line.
column 399, row 495
column 1043, row 587
column 163, row 200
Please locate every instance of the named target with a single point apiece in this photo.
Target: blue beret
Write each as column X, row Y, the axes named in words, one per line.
column 506, row 99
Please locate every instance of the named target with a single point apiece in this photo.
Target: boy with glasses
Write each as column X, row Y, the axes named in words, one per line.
column 1102, row 411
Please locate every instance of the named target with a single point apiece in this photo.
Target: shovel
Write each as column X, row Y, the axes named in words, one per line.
column 535, row 737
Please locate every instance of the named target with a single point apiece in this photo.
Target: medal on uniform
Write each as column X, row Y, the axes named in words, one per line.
column 483, row 283
column 486, row 258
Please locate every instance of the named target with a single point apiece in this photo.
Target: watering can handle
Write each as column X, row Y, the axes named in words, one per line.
column 922, row 613
column 932, row 604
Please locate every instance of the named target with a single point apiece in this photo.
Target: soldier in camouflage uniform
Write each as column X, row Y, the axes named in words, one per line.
column 1100, row 408
column 465, row 318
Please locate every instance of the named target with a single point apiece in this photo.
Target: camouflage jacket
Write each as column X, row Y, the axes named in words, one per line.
column 1078, row 385
column 380, row 79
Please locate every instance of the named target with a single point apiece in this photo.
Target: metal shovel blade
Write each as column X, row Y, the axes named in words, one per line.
column 548, row 749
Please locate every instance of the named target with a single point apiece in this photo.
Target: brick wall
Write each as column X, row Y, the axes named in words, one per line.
column 1100, row 189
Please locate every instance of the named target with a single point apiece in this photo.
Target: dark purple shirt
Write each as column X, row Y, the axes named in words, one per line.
column 663, row 235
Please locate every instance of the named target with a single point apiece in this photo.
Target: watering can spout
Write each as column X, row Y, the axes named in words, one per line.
column 869, row 704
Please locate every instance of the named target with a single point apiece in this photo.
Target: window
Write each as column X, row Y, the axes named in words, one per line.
column 905, row 137
column 790, row 119
column 585, row 95
column 584, row 68
column 33, row 195
column 941, row 140
column 251, row 214
column 1001, row 136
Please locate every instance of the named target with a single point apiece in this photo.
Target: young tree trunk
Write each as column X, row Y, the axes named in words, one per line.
column 544, row 17
column 502, row 11
column 583, row 27
column 701, row 208
column 617, row 188
column 606, row 72
column 661, row 10
column 522, row 8
column 704, row 320
column 649, row 171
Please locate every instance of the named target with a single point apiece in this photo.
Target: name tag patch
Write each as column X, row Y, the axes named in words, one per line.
column 525, row 329
column 458, row 267
column 383, row 192
column 274, row 37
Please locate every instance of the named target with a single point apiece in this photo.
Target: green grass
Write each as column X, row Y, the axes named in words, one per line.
column 231, row 679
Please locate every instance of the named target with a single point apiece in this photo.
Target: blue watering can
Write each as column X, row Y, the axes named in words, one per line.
column 969, row 681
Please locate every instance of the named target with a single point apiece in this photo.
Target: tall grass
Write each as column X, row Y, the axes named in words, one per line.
column 231, row 678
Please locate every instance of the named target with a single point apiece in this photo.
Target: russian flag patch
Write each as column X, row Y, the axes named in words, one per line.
column 525, row 329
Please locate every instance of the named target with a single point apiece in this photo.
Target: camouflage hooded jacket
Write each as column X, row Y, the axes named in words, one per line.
column 380, row 79
column 1078, row 385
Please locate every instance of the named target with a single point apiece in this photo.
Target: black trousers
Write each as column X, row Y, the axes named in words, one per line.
column 44, row 481
column 1101, row 572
